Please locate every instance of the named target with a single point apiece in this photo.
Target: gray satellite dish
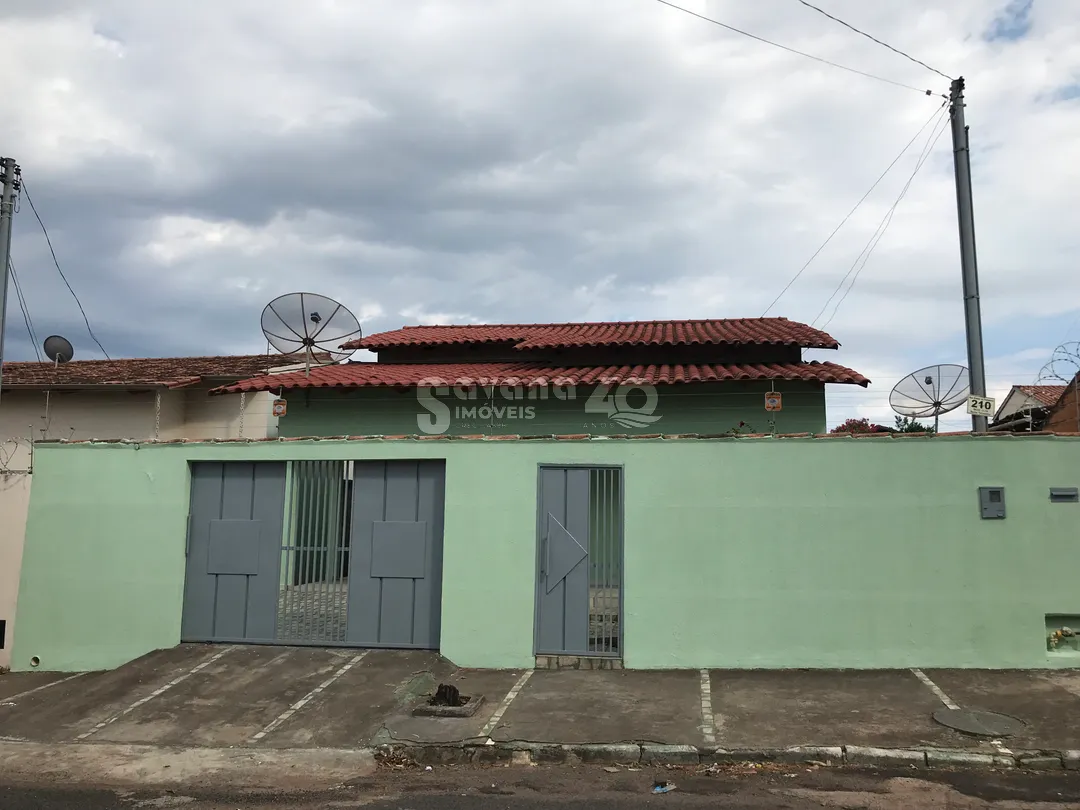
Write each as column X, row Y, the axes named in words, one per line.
column 58, row 349
column 931, row 391
column 309, row 323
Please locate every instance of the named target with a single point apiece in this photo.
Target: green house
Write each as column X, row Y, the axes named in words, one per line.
column 709, row 376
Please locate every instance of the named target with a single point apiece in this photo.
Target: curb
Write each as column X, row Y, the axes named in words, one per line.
column 658, row 754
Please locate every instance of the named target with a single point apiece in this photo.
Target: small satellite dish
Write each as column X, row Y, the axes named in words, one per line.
column 309, row 323
column 58, row 349
column 931, row 391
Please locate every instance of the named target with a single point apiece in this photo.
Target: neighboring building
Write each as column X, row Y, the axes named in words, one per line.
column 145, row 398
column 1064, row 416
column 1025, row 408
column 707, row 376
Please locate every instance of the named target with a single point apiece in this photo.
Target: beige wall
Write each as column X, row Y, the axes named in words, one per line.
column 183, row 413
column 73, row 415
column 14, row 499
column 207, row 417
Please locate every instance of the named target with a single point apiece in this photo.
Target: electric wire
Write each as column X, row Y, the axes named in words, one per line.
column 883, row 226
column 850, row 213
column 907, row 56
column 56, row 261
column 21, row 297
column 820, row 59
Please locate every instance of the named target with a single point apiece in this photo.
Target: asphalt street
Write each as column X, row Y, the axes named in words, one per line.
column 597, row 789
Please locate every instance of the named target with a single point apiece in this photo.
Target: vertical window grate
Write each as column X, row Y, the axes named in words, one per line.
column 605, row 561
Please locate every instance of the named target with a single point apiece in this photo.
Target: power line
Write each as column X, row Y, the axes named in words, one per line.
column 851, row 212
column 794, row 51
column 25, row 309
column 883, row 226
column 56, row 261
column 907, row 56
column 879, row 234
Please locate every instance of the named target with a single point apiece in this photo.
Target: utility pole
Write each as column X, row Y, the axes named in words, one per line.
column 969, row 265
column 9, row 179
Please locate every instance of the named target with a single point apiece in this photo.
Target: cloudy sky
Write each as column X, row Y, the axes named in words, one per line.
column 543, row 160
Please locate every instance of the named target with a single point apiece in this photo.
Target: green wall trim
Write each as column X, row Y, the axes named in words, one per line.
column 767, row 552
column 683, row 408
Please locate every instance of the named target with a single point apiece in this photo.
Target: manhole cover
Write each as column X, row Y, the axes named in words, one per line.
column 983, row 724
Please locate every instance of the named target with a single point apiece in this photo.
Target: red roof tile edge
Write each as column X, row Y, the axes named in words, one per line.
column 587, row 437
column 410, row 375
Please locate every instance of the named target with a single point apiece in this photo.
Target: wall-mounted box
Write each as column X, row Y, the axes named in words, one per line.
column 992, row 503
column 1064, row 495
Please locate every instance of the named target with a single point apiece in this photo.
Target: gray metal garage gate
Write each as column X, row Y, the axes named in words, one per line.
column 315, row 552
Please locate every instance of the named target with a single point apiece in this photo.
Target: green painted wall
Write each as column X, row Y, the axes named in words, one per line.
column 707, row 408
column 739, row 552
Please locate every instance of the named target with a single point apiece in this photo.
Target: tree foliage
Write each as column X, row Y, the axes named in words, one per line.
column 903, row 424
column 907, row 424
column 856, row 426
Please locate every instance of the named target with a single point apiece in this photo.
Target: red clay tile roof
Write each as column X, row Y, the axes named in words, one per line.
column 171, row 372
column 364, row 375
column 628, row 333
column 1045, row 394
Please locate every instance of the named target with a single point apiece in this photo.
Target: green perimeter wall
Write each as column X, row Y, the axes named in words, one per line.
column 684, row 408
column 739, row 552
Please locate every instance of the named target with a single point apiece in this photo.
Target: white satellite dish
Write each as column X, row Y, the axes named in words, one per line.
column 309, row 323
column 931, row 391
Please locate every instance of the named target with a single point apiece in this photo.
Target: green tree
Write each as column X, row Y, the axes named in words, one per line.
column 907, row 424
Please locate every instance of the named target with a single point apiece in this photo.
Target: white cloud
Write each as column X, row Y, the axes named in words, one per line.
column 482, row 161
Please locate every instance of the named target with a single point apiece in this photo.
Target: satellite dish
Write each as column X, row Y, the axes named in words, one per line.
column 58, row 349
column 309, row 323
column 931, row 391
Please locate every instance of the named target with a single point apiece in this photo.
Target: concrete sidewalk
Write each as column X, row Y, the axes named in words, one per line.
column 265, row 699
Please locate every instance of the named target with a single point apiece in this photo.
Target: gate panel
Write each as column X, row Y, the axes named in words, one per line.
column 313, row 595
column 563, row 598
column 395, row 579
column 234, row 530
column 579, row 590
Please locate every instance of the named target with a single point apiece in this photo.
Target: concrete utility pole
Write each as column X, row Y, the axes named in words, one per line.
column 968, row 263
column 9, row 179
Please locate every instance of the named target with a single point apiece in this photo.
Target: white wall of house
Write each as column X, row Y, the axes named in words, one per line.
column 14, row 499
column 207, row 417
column 84, row 414
column 95, row 414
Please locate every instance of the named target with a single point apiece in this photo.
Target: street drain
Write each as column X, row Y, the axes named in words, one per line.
column 981, row 724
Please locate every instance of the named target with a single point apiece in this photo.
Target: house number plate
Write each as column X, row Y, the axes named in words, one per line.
column 980, row 406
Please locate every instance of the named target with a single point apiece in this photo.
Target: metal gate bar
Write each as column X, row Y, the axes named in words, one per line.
column 313, row 594
column 605, row 561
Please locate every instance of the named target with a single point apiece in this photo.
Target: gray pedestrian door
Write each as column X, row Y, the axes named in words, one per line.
column 234, row 533
column 579, row 587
